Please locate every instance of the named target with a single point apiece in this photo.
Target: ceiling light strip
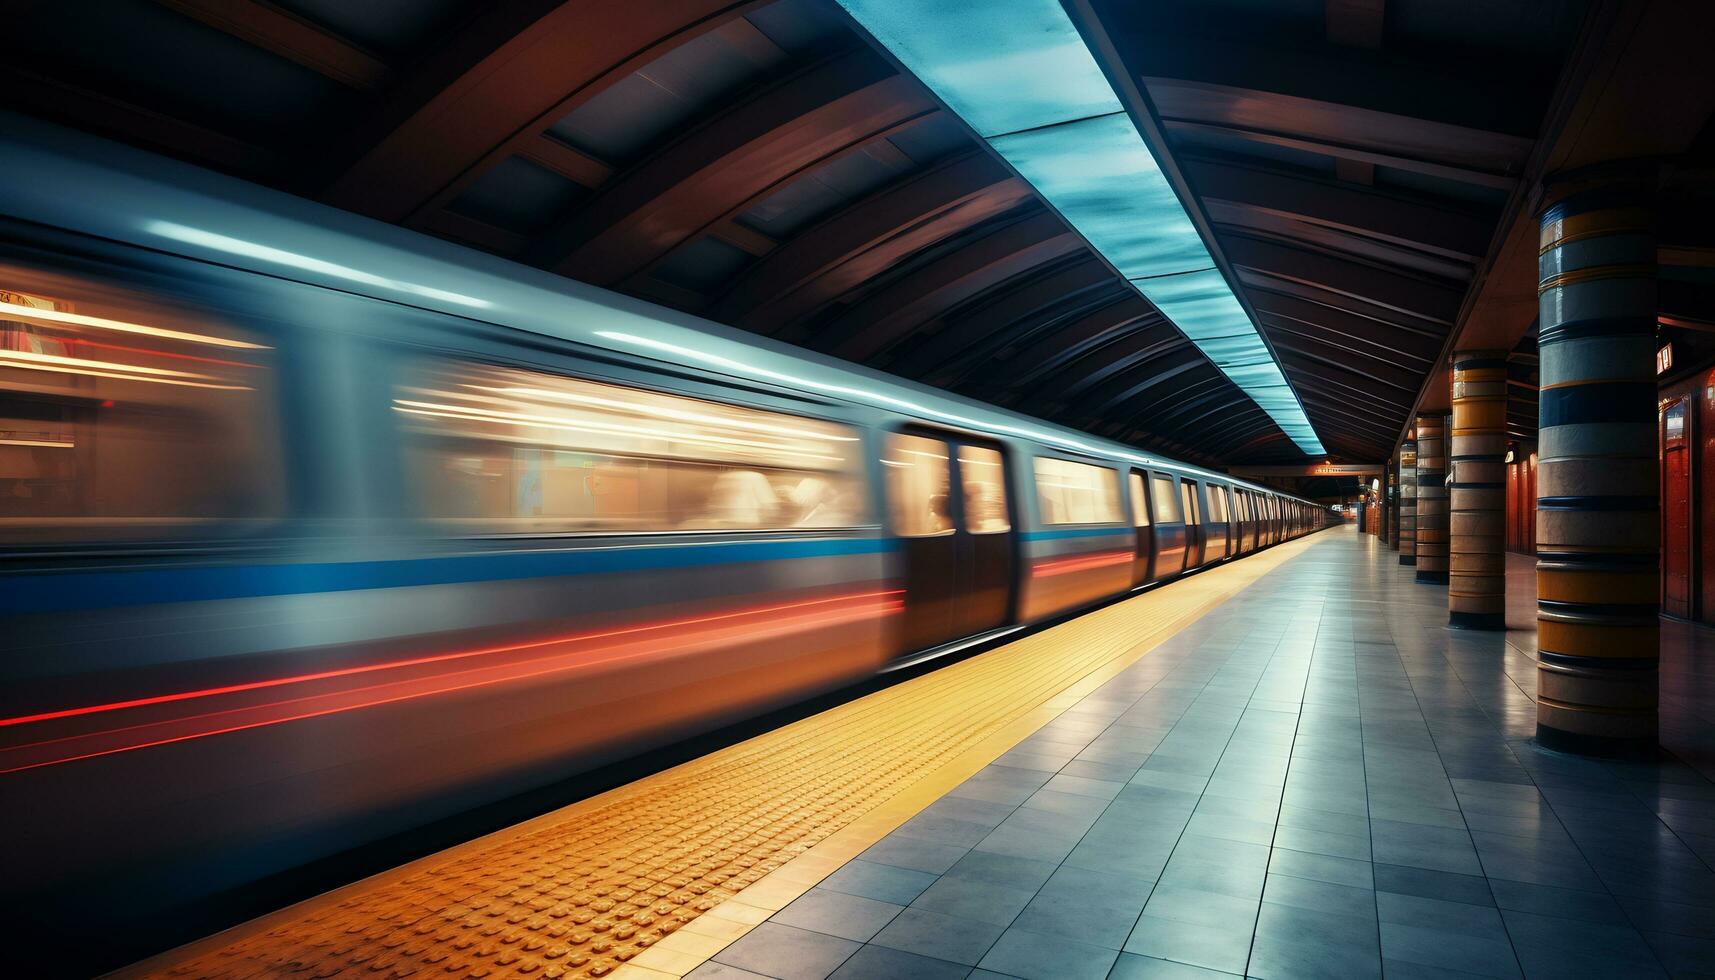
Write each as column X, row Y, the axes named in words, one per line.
column 1019, row 74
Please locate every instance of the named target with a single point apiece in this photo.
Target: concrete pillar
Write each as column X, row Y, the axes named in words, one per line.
column 1477, row 515
column 1598, row 544
column 1408, row 500
column 1431, row 498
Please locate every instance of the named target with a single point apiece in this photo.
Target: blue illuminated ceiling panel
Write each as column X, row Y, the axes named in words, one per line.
column 1018, row 72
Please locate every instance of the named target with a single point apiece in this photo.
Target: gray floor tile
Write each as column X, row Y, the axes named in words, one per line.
column 837, row 914
column 1316, row 927
column 1472, row 920
column 720, row 971
column 882, row 963
column 1470, row 889
column 1131, row 966
column 1284, row 959
column 1037, row 956
column 1322, row 842
column 1224, row 948
column 1447, row 950
column 1002, row 870
column 882, row 882
column 1184, row 903
column 1024, row 842
column 787, row 953
column 917, row 855
column 1321, row 867
column 1306, row 893
column 969, row 898
column 943, row 830
column 942, row 937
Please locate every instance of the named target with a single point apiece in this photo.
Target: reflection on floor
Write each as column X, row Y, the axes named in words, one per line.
column 1317, row 779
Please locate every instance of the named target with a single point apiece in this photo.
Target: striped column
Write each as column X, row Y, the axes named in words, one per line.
column 1477, row 514
column 1408, row 501
column 1431, row 498
column 1390, row 479
column 1597, row 534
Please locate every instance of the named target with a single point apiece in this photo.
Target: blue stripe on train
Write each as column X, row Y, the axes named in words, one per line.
column 1077, row 532
column 59, row 592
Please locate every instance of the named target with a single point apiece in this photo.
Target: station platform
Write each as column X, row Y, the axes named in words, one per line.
column 1283, row 766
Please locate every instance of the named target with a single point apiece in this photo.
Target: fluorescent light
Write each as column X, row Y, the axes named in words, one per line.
column 1019, row 73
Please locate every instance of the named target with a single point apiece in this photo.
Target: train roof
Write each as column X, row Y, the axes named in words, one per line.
column 62, row 178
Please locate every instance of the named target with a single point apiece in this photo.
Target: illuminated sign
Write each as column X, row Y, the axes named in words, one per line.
column 1664, row 359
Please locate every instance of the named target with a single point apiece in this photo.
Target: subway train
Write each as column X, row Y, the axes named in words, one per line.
column 314, row 530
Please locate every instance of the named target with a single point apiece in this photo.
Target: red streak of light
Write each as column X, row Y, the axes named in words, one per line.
column 160, row 353
column 802, row 621
column 1080, row 563
column 436, row 658
column 824, row 618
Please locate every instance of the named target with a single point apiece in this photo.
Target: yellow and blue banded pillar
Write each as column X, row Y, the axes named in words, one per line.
column 1391, row 496
column 1477, row 516
column 1408, row 500
column 1598, row 538
column 1431, row 498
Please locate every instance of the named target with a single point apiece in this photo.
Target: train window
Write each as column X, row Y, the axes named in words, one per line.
column 511, row 450
column 918, row 486
column 126, row 416
column 1077, row 493
column 1217, row 505
column 1188, row 491
column 984, row 477
column 1139, row 503
column 1165, row 500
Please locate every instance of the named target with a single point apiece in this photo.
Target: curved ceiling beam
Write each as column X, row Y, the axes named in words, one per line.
column 1093, row 331
column 1412, row 295
column 1120, row 357
column 658, row 204
column 1388, row 381
column 986, row 324
column 1403, row 139
column 518, row 66
column 883, row 228
column 1104, row 399
column 1454, row 234
column 886, row 316
column 728, row 228
column 1418, row 347
column 977, row 368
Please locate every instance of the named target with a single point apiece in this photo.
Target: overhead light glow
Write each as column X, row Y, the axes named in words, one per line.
column 1019, row 73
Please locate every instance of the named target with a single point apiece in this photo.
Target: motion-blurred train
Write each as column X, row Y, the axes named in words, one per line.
column 314, row 530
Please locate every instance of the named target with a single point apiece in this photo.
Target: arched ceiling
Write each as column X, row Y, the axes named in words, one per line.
column 765, row 165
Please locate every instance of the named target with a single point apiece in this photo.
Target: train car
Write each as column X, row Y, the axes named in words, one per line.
column 315, row 530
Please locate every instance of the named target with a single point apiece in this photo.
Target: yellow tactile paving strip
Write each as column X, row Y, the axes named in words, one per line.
column 651, row 879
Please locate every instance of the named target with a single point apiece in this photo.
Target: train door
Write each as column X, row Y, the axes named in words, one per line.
column 1676, row 509
column 1169, row 523
column 1218, row 538
column 986, row 540
column 1193, row 523
column 951, row 515
column 1140, row 565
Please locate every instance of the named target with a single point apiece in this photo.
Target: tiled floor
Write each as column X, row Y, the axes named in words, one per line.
column 1317, row 779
